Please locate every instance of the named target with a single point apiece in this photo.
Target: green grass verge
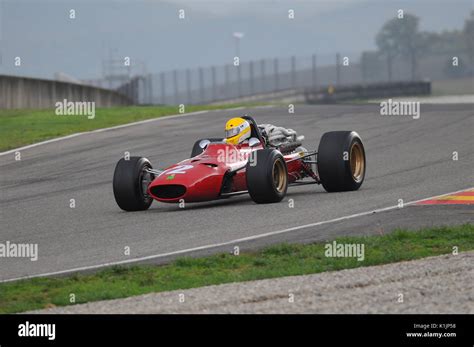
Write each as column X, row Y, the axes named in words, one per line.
column 275, row 261
column 26, row 126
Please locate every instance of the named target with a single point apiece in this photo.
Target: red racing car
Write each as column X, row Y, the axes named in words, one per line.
column 218, row 169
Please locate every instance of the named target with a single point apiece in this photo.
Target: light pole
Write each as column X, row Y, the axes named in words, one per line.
column 238, row 36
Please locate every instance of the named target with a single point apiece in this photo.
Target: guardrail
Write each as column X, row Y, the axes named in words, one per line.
column 24, row 92
column 333, row 94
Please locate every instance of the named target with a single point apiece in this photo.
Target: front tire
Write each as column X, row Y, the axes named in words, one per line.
column 341, row 161
column 267, row 180
column 131, row 182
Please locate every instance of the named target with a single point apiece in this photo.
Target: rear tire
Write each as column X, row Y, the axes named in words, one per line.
column 130, row 184
column 341, row 161
column 267, row 181
column 198, row 150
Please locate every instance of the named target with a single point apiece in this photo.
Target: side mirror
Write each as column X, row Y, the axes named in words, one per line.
column 253, row 141
column 204, row 143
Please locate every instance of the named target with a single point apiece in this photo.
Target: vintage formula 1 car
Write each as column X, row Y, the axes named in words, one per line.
column 219, row 170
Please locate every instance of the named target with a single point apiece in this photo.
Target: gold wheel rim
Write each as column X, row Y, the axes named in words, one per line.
column 357, row 161
column 279, row 176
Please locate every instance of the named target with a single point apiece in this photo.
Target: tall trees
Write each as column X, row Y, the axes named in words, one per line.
column 387, row 45
column 400, row 36
column 468, row 33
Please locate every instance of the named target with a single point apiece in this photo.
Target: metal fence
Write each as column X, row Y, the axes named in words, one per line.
column 229, row 82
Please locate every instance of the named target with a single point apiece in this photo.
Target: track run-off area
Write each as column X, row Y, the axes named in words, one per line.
column 407, row 160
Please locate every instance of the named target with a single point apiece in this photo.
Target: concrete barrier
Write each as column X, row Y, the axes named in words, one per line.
column 24, row 92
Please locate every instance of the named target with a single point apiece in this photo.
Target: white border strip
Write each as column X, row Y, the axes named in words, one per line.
column 249, row 238
column 10, row 151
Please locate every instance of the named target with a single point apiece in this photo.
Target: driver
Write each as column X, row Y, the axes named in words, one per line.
column 237, row 131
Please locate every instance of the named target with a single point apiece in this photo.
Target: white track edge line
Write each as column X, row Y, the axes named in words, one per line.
column 248, row 238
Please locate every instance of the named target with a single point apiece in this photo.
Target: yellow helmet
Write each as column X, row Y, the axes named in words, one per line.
column 237, row 130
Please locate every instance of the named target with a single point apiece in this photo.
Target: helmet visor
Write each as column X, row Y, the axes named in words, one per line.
column 232, row 132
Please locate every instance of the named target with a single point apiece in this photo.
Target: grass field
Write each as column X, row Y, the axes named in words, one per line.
column 275, row 261
column 23, row 127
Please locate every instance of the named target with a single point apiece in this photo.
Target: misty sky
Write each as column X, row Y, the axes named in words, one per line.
column 150, row 32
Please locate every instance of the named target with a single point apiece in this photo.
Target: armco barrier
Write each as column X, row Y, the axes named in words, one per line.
column 23, row 92
column 333, row 94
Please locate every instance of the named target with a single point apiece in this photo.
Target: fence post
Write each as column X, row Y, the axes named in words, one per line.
column 275, row 72
column 262, row 73
column 149, row 89
column 338, row 69
column 214, row 86
column 201, row 85
column 163, row 92
column 293, row 72
column 137, row 88
column 314, row 71
column 239, row 78
column 175, row 83
column 129, row 90
column 134, row 89
column 227, row 81
column 188, row 86
column 251, row 78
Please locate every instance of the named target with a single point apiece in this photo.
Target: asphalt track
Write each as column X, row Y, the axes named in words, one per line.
column 407, row 159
